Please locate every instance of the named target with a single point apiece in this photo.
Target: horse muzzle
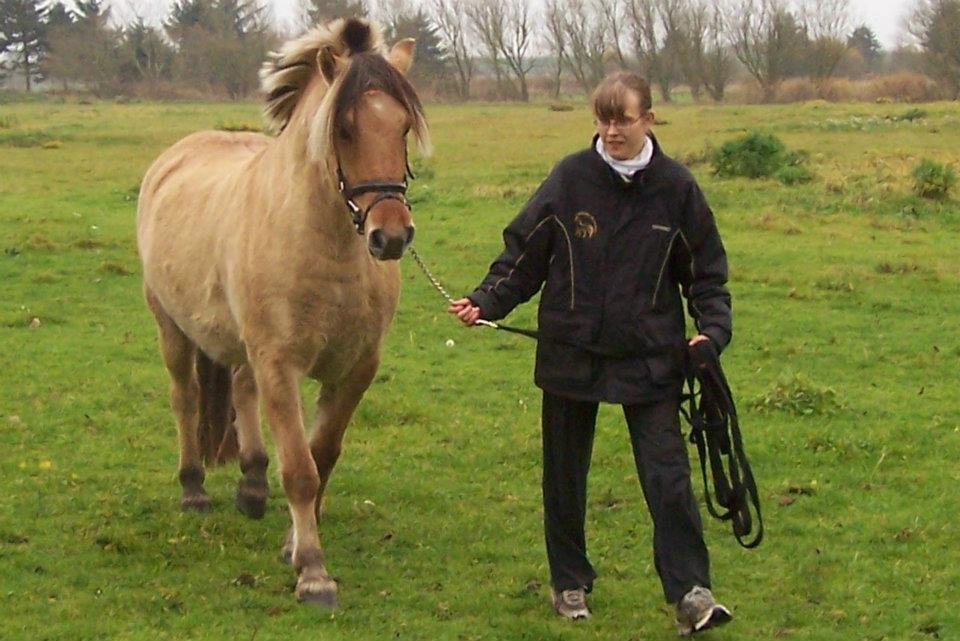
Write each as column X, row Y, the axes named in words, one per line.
column 385, row 246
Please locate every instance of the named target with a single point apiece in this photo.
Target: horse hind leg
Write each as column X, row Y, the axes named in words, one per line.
column 253, row 488
column 179, row 355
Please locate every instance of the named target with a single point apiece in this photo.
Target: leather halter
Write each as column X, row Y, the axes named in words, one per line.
column 385, row 190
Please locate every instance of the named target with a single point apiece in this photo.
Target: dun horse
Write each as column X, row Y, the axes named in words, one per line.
column 257, row 276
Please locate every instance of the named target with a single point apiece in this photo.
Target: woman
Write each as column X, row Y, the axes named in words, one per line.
column 614, row 234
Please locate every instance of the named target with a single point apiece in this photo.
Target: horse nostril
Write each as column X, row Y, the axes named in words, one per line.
column 377, row 241
column 409, row 233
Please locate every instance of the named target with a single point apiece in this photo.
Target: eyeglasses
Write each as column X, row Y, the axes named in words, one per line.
column 619, row 123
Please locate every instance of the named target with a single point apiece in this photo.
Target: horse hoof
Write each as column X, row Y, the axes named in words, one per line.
column 252, row 505
column 195, row 503
column 319, row 592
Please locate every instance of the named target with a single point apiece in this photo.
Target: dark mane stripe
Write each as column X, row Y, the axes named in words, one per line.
column 357, row 35
column 295, row 65
column 371, row 71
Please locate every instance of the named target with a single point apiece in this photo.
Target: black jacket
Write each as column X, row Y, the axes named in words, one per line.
column 614, row 256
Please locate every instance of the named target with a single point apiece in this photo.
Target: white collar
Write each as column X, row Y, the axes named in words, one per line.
column 627, row 168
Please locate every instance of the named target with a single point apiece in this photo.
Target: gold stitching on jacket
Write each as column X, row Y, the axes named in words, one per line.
column 663, row 267
column 524, row 253
column 570, row 252
column 693, row 276
column 521, row 256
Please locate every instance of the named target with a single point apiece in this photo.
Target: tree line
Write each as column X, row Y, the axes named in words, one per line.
column 216, row 46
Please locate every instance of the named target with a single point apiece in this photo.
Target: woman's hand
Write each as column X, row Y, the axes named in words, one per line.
column 465, row 310
column 698, row 338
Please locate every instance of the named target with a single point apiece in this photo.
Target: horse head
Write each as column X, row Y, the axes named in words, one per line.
column 358, row 109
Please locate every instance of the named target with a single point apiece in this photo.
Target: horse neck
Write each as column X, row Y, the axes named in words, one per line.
column 313, row 195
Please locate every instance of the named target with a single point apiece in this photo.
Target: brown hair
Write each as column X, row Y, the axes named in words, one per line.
column 370, row 70
column 609, row 98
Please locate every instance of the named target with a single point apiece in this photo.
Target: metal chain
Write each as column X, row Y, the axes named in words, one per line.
column 433, row 279
column 437, row 286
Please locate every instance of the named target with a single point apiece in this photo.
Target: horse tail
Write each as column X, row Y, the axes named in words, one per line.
column 218, row 437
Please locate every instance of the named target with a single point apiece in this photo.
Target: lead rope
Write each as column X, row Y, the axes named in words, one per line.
column 443, row 292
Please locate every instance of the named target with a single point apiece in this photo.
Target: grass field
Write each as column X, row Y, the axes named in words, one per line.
column 844, row 361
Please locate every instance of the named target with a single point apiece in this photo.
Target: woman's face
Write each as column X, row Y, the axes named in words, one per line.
column 624, row 137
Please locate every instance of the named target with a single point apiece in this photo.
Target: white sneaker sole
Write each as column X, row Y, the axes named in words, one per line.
column 575, row 615
column 717, row 616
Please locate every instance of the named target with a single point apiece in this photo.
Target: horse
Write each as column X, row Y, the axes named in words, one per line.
column 257, row 277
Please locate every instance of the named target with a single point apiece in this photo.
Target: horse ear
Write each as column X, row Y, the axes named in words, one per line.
column 401, row 56
column 329, row 62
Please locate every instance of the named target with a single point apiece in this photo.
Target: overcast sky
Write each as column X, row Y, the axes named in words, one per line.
column 885, row 17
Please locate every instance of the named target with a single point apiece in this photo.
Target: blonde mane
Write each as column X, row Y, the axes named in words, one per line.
column 286, row 75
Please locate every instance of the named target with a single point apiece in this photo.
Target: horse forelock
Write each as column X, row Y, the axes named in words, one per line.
column 372, row 72
column 286, row 74
column 367, row 71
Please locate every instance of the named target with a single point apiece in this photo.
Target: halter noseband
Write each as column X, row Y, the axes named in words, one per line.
column 385, row 190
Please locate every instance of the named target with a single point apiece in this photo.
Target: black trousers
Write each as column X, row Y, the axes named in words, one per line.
column 679, row 553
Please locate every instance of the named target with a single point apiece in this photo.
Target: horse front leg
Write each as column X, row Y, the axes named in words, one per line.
column 278, row 386
column 335, row 407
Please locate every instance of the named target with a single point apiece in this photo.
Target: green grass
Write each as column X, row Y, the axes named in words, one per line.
column 845, row 297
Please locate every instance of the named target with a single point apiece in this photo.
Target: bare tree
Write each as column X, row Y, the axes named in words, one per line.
column 451, row 20
column 761, row 32
column 556, row 40
column 827, row 23
column 936, row 26
column 390, row 12
column 694, row 20
column 576, row 37
column 718, row 59
column 505, row 27
column 487, row 19
column 613, row 17
column 515, row 41
column 656, row 30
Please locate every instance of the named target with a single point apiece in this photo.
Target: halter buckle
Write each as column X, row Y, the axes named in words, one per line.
column 386, row 190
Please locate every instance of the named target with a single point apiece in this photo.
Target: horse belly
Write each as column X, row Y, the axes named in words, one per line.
column 202, row 314
column 180, row 239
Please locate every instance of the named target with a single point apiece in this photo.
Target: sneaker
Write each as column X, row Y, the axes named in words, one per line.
column 570, row 604
column 698, row 610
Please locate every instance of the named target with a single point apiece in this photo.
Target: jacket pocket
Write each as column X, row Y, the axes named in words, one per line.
column 561, row 366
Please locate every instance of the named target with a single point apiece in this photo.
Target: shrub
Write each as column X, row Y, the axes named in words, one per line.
column 799, row 396
column 793, row 175
column 910, row 115
column 933, row 180
column 24, row 138
column 754, row 155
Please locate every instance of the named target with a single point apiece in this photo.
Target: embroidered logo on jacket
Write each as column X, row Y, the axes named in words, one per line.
column 586, row 225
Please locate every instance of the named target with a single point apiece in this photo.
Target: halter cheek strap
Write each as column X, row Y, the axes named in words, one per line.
column 385, row 190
